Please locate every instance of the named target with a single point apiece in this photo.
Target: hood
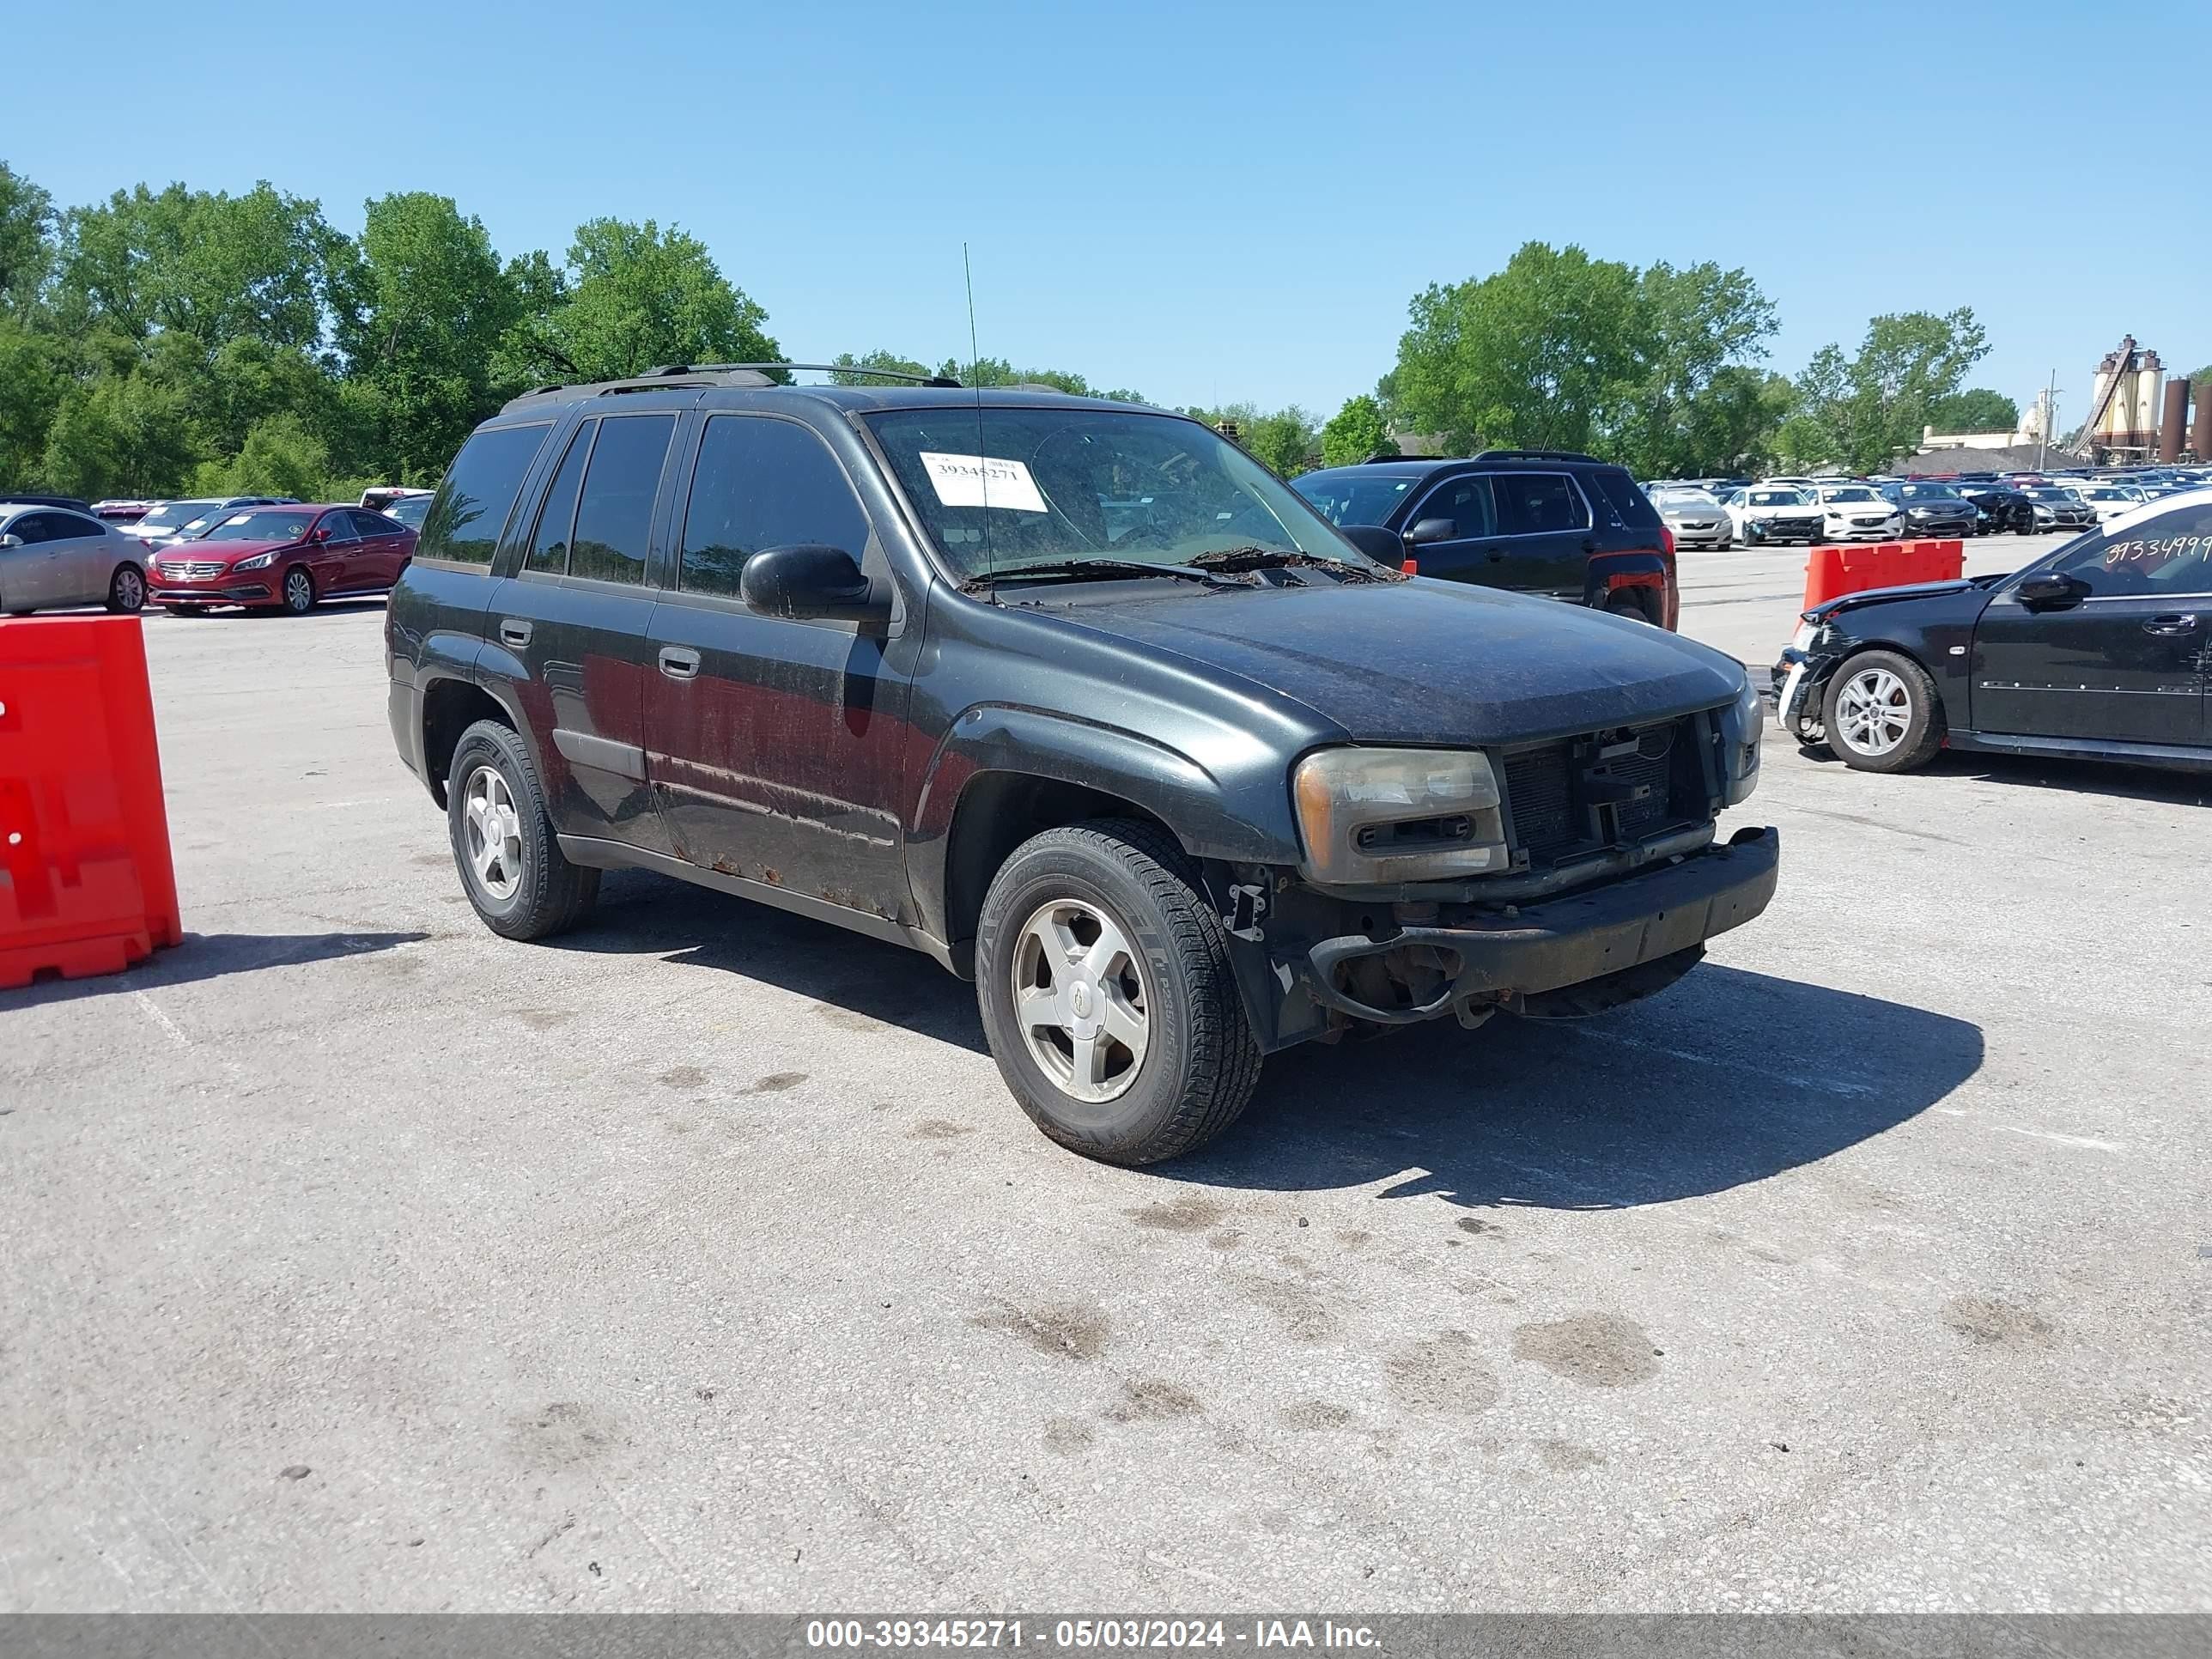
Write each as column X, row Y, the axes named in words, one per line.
column 1425, row 661
column 1680, row 514
column 226, row 551
column 1828, row 608
column 1876, row 509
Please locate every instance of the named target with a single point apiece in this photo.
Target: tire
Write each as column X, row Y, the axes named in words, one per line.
column 126, row 590
column 541, row 893
column 1199, row 1062
column 1625, row 604
column 298, row 590
column 1881, row 712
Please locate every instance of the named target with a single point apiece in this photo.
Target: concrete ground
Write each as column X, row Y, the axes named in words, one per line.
column 356, row 1259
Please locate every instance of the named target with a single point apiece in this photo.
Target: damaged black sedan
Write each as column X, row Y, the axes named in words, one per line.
column 2100, row 650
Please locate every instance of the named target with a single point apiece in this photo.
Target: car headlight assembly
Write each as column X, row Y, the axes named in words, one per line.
column 1743, row 727
column 1370, row 816
column 259, row 562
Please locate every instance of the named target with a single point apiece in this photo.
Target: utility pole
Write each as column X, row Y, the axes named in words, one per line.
column 2050, row 414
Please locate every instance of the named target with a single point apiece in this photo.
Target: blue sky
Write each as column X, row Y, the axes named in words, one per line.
column 1213, row 203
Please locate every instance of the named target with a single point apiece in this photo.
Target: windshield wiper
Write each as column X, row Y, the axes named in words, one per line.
column 1093, row 570
column 1236, row 561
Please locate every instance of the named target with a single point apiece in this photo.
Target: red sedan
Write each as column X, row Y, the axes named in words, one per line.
column 290, row 557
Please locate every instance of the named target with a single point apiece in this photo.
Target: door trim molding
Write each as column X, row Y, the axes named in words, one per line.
column 624, row 760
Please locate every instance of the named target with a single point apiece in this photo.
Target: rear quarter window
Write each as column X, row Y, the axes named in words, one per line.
column 1631, row 504
column 472, row 504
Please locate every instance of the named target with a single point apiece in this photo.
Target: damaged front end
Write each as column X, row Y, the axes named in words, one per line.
column 1551, row 879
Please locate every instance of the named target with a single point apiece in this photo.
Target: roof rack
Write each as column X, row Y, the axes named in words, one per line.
column 1535, row 455
column 663, row 376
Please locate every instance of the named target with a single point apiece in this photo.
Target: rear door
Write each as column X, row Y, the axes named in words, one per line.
column 382, row 550
column 81, row 561
column 567, row 629
column 2127, row 663
column 1544, row 527
column 775, row 746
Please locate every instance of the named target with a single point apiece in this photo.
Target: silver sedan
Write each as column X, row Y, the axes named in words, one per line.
column 1697, row 518
column 52, row 556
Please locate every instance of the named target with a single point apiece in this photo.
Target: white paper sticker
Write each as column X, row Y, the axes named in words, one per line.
column 983, row 481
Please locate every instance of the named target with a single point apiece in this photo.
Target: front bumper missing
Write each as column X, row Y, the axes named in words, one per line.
column 1508, row 955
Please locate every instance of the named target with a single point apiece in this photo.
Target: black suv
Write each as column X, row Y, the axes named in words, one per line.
column 1074, row 697
column 1545, row 521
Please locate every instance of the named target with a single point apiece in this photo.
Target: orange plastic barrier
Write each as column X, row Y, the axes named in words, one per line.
column 84, row 838
column 1831, row 572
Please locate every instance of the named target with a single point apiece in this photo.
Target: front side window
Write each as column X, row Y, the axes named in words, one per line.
column 1469, row 503
column 340, row 527
column 2170, row 554
column 1534, row 503
column 614, row 515
column 763, row 482
column 999, row 489
column 549, row 542
column 472, row 504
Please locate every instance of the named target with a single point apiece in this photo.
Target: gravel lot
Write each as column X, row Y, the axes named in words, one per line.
column 356, row 1259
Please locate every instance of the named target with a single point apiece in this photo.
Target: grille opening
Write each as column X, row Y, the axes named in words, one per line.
column 1582, row 796
column 1415, row 834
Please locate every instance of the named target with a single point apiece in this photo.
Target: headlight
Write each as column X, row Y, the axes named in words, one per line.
column 1740, row 731
column 1385, row 815
column 259, row 562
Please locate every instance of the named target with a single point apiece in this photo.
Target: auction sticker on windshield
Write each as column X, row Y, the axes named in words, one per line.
column 983, row 481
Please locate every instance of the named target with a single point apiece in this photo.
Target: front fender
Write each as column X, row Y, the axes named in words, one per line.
column 1243, row 816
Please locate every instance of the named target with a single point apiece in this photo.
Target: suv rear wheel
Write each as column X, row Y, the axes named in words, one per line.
column 1107, row 995
column 512, row 868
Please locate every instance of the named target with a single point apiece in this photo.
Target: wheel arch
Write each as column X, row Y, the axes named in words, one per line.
column 450, row 706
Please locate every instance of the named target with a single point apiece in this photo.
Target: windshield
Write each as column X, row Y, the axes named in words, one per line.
column 1925, row 492
column 1777, row 498
column 1685, row 501
column 2048, row 493
column 1354, row 497
column 267, row 525
column 170, row 517
column 410, row 510
column 1056, row 484
column 2110, row 494
column 1853, row 493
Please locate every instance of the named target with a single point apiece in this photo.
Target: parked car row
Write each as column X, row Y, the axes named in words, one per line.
column 254, row 551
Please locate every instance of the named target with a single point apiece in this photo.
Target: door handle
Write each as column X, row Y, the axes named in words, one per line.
column 679, row 662
column 514, row 633
column 2179, row 622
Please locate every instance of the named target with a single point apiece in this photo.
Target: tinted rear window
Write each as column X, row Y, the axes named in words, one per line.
column 614, row 516
column 479, row 492
column 1635, row 509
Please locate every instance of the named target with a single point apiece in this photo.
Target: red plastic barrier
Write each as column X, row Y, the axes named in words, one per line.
column 84, row 838
column 1831, row 572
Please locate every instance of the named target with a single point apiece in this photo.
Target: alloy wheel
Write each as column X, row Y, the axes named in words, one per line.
column 494, row 833
column 1873, row 712
column 1081, row 999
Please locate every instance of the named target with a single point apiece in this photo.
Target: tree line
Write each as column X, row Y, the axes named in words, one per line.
column 173, row 341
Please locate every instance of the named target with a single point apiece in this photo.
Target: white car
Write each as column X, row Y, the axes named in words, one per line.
column 2110, row 500
column 1857, row 512
column 1774, row 512
column 1696, row 517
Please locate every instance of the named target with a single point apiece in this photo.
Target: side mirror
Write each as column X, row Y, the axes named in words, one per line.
column 321, row 532
column 1383, row 546
column 809, row 582
column 10, row 541
column 2050, row 589
column 1431, row 530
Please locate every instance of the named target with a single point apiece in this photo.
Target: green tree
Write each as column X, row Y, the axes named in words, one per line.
column 636, row 296
column 1978, row 409
column 1355, row 432
column 118, row 433
column 31, row 386
column 430, row 305
column 282, row 455
column 1869, row 409
column 848, row 366
column 1538, row 356
column 27, row 242
column 1696, row 405
column 211, row 265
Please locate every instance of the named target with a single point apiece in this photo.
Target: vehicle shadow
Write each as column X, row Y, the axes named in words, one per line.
column 1730, row 1077
column 2117, row 779
column 643, row 913
column 207, row 956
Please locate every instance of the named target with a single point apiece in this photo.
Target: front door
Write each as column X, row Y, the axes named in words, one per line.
column 30, row 575
column 1545, row 529
column 2127, row 663
column 776, row 747
column 567, row 629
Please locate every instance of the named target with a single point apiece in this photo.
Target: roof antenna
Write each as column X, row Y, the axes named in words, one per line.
column 975, row 378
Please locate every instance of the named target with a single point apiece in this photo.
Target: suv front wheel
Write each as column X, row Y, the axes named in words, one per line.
column 511, row 867
column 1107, row 995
